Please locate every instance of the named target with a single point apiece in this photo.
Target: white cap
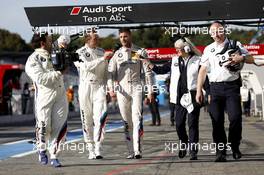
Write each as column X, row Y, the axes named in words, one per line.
column 64, row 39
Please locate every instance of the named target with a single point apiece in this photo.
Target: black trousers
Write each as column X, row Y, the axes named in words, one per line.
column 246, row 108
column 24, row 105
column 154, row 109
column 226, row 97
column 172, row 112
column 193, row 124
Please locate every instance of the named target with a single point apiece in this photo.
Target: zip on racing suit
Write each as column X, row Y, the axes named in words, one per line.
column 92, row 96
column 51, row 106
column 125, row 79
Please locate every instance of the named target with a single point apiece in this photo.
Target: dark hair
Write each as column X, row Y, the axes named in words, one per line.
column 222, row 23
column 87, row 35
column 124, row 29
column 37, row 39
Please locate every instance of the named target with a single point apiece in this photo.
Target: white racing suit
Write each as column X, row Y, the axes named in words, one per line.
column 51, row 106
column 92, row 96
column 125, row 80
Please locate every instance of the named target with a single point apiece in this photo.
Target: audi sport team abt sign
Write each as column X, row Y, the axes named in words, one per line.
column 195, row 10
column 168, row 53
column 116, row 13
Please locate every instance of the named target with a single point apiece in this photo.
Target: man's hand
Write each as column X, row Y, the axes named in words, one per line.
column 151, row 98
column 236, row 58
column 112, row 94
column 146, row 101
column 199, row 97
column 108, row 55
column 209, row 99
column 147, row 63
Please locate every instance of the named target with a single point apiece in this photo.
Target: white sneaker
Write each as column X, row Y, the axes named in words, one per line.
column 97, row 151
column 130, row 156
column 91, row 155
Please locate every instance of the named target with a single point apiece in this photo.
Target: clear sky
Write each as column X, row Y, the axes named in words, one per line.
column 14, row 19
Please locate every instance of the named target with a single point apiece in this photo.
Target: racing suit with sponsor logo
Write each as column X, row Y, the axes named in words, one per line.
column 125, row 80
column 92, row 95
column 51, row 107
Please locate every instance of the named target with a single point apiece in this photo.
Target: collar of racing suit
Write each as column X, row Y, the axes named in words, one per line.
column 125, row 49
column 222, row 44
column 44, row 53
column 132, row 48
column 89, row 48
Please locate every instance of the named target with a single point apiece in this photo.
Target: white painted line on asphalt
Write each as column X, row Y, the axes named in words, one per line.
column 15, row 142
column 24, row 154
column 75, row 130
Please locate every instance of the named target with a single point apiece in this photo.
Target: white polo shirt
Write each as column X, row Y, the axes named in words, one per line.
column 215, row 72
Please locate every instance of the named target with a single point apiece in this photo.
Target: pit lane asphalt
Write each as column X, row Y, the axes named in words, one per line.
column 157, row 158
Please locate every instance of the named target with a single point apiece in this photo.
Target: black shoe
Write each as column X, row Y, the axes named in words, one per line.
column 172, row 123
column 138, row 156
column 99, row 157
column 152, row 124
column 182, row 154
column 193, row 156
column 220, row 157
column 237, row 154
column 33, row 141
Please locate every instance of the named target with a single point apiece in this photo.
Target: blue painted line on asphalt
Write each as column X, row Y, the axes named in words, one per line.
column 9, row 150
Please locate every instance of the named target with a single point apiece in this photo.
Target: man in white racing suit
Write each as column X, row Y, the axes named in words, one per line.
column 125, row 79
column 51, row 107
column 92, row 69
